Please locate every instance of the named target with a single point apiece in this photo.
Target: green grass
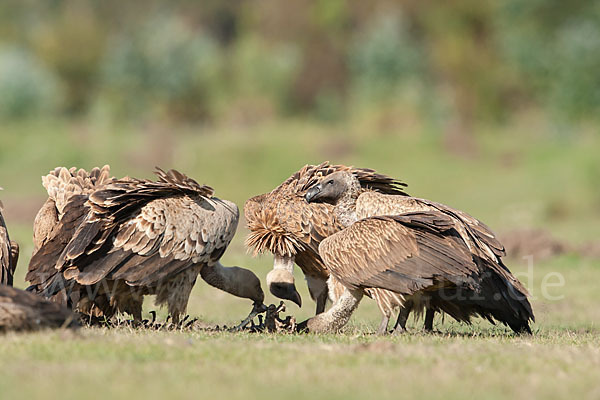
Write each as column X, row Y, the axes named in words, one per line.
column 516, row 177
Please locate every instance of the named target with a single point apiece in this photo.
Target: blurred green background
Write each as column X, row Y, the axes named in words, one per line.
column 491, row 107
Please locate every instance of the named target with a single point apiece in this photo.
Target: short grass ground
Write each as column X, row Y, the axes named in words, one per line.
column 515, row 177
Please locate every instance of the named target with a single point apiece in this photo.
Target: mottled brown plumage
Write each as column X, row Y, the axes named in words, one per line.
column 62, row 184
column 9, row 253
column 134, row 237
column 23, row 311
column 283, row 223
column 427, row 253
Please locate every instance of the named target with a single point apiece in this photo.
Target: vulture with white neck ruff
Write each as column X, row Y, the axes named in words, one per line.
column 425, row 253
column 133, row 237
column 283, row 223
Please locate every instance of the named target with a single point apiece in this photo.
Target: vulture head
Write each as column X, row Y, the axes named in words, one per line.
column 281, row 280
column 250, row 287
column 333, row 188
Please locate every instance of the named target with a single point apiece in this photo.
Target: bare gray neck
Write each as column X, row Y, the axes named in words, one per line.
column 221, row 277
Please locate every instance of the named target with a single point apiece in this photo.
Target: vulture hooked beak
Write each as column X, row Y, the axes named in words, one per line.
column 286, row 291
column 312, row 193
column 281, row 285
column 281, row 279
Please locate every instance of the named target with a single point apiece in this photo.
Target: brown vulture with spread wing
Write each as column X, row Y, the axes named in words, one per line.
column 23, row 311
column 9, row 253
column 132, row 237
column 425, row 253
column 283, row 223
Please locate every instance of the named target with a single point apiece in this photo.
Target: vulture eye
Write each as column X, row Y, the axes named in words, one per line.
column 330, row 182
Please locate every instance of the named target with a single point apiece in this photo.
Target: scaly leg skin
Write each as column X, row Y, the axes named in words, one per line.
column 403, row 314
column 337, row 316
column 429, row 314
column 382, row 330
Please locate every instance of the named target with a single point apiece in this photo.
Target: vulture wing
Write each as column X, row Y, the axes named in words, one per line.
column 62, row 185
column 404, row 253
column 478, row 237
column 481, row 234
column 8, row 254
column 477, row 233
column 423, row 252
column 142, row 232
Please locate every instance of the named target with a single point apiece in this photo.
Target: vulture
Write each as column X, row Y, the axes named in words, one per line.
column 117, row 240
column 419, row 253
column 9, row 253
column 24, row 311
column 283, row 223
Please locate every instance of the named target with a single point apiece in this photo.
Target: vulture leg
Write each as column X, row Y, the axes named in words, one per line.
column 403, row 314
column 429, row 314
column 385, row 319
column 336, row 317
column 176, row 292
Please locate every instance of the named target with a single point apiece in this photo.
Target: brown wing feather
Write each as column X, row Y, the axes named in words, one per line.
column 62, row 184
column 140, row 231
column 479, row 238
column 42, row 269
column 404, row 254
column 422, row 252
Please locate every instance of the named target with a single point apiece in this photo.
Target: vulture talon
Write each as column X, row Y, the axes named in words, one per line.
column 153, row 313
column 189, row 324
column 302, row 327
column 256, row 309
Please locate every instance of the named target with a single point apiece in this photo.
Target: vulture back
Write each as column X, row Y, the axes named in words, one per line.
column 138, row 231
column 63, row 185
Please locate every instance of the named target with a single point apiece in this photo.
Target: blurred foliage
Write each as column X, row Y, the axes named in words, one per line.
column 27, row 88
column 161, row 67
column 481, row 60
column 556, row 47
column 385, row 54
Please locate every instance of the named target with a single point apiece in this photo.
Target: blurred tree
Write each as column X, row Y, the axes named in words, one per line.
column 556, row 45
column 479, row 60
column 72, row 43
column 161, row 67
